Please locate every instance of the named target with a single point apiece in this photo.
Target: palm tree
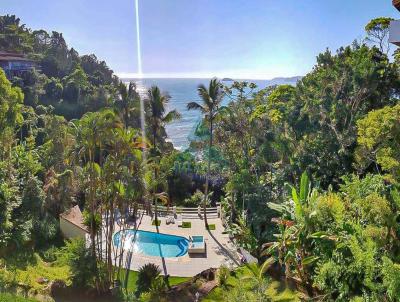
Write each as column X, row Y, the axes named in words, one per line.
column 121, row 178
column 157, row 118
column 127, row 105
column 211, row 99
column 91, row 133
column 146, row 275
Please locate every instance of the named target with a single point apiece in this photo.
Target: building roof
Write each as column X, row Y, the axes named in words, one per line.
column 396, row 4
column 74, row 216
column 13, row 56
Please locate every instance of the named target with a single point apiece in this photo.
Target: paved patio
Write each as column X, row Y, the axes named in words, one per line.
column 219, row 249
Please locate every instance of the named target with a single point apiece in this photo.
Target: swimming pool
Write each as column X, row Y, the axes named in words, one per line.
column 153, row 244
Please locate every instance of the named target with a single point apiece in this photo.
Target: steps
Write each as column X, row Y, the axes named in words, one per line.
column 187, row 213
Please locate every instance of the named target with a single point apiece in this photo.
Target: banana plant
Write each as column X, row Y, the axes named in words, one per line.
column 300, row 199
column 257, row 277
column 295, row 222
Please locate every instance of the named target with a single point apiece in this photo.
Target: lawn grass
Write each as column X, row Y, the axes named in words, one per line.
column 156, row 222
column 4, row 297
column 133, row 276
column 211, row 227
column 276, row 291
column 186, row 224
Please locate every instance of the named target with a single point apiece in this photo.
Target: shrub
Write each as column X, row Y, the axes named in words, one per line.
column 46, row 230
column 144, row 297
column 391, row 278
column 78, row 257
column 329, row 210
column 196, row 199
column 146, row 275
column 3, row 282
column 240, row 294
column 211, row 227
column 50, row 255
column 223, row 275
column 157, row 289
column 186, row 224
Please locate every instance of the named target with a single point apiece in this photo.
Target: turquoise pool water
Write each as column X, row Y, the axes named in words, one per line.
column 153, row 244
column 197, row 241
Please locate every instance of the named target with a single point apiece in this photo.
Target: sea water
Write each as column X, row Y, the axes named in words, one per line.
column 183, row 91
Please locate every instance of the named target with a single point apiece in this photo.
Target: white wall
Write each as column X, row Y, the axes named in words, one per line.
column 394, row 33
column 70, row 230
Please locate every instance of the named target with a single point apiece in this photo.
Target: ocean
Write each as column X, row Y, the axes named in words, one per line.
column 183, row 91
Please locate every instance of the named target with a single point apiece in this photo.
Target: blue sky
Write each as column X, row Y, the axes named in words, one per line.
column 203, row 38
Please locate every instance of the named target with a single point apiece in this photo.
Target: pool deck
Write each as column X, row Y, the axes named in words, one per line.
column 219, row 248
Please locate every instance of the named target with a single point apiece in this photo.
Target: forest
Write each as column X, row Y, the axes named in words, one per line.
column 308, row 174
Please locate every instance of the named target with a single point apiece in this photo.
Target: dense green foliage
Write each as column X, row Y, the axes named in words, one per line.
column 96, row 160
column 342, row 243
column 133, row 278
column 78, row 258
column 70, row 83
column 378, row 140
column 241, row 285
column 310, row 127
column 334, row 228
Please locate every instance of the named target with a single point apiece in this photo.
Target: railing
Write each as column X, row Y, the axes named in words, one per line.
column 212, row 212
column 223, row 217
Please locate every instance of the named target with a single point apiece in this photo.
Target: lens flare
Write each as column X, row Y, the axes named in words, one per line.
column 140, row 75
column 138, row 45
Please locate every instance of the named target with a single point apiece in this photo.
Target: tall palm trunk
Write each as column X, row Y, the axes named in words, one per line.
column 109, row 241
column 155, row 199
column 155, row 178
column 208, row 172
column 92, row 193
column 91, row 200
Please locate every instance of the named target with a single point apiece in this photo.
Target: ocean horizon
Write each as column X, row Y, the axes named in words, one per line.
column 183, row 91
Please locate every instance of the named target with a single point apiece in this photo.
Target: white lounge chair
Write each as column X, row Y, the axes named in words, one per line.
column 197, row 245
